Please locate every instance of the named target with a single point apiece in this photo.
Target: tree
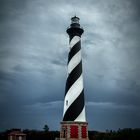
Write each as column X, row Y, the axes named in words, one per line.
column 46, row 128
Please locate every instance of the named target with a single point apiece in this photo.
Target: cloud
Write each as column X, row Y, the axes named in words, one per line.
column 110, row 105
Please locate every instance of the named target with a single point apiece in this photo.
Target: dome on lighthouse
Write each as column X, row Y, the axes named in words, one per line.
column 75, row 20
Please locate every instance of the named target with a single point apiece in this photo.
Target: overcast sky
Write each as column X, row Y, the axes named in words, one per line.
column 33, row 62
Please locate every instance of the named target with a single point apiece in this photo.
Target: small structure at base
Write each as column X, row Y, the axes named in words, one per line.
column 73, row 131
column 16, row 134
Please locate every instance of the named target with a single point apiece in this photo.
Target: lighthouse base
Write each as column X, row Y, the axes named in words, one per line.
column 73, row 131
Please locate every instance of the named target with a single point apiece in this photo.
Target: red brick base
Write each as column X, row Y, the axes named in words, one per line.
column 74, row 131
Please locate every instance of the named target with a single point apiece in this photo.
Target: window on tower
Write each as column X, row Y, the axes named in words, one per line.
column 67, row 103
column 64, row 132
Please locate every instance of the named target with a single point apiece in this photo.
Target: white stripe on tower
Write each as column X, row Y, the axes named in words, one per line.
column 74, row 106
column 74, row 61
column 82, row 116
column 73, row 92
column 74, row 41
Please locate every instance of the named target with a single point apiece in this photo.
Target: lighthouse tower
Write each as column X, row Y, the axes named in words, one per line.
column 74, row 125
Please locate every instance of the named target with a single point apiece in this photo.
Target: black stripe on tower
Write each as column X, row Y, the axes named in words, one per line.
column 76, row 48
column 73, row 76
column 75, row 109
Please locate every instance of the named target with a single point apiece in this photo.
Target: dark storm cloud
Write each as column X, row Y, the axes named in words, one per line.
column 33, row 59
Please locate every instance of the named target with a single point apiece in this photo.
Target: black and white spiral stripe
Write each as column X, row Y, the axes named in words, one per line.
column 74, row 106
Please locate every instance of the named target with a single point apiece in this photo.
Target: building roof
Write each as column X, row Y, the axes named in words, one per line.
column 16, row 133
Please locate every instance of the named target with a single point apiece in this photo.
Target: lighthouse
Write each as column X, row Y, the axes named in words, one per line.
column 74, row 125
